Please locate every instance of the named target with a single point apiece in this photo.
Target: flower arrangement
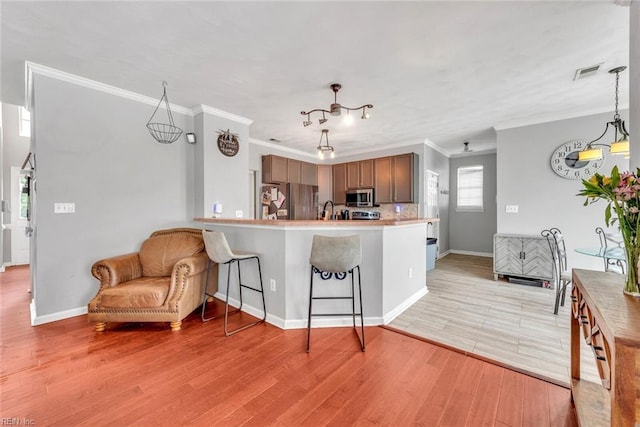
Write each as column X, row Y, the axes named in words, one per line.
column 621, row 191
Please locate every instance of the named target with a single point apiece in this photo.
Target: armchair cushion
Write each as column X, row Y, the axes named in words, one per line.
column 142, row 293
column 160, row 253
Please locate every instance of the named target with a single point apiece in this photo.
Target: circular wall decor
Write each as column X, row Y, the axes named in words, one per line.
column 228, row 143
column 565, row 163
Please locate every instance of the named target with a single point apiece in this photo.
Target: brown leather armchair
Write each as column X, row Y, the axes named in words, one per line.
column 163, row 282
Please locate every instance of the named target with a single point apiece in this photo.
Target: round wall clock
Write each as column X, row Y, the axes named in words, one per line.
column 228, row 143
column 565, row 163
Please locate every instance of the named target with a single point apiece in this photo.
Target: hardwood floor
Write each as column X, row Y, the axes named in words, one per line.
column 500, row 321
column 65, row 374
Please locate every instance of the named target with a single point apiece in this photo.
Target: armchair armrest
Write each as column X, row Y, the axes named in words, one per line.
column 118, row 269
column 186, row 271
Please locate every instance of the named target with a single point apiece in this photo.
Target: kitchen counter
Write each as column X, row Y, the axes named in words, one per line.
column 318, row 223
column 393, row 267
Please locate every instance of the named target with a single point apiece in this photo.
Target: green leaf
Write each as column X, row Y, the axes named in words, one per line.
column 607, row 214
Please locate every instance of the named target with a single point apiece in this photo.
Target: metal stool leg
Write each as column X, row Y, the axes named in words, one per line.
column 205, row 294
column 227, row 332
column 309, row 318
column 361, row 309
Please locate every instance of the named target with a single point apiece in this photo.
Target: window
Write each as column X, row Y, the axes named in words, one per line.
column 25, row 122
column 470, row 182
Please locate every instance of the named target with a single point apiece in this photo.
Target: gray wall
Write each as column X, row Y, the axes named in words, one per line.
column 93, row 149
column 473, row 231
column 634, row 83
column 437, row 162
column 546, row 200
column 14, row 150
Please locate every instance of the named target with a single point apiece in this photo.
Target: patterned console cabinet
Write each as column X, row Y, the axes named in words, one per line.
column 608, row 320
column 522, row 255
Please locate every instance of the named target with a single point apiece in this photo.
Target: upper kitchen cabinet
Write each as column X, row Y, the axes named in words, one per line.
column 340, row 184
column 294, row 168
column 309, row 173
column 360, row 174
column 396, row 179
column 275, row 169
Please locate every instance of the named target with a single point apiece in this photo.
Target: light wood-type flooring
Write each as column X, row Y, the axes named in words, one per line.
column 65, row 374
column 497, row 320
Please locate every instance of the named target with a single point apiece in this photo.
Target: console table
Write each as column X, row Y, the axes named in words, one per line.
column 609, row 322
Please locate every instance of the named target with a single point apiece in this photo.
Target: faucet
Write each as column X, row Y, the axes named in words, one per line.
column 324, row 210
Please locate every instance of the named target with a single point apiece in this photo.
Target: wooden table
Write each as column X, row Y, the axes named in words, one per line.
column 610, row 323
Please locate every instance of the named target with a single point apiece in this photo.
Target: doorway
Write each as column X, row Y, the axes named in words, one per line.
column 19, row 217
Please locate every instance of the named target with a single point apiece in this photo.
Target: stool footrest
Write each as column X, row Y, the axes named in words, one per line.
column 336, row 314
column 349, row 297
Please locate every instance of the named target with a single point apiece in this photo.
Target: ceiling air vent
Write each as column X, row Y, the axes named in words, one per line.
column 582, row 73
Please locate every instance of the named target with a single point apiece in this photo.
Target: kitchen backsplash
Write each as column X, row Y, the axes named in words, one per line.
column 387, row 211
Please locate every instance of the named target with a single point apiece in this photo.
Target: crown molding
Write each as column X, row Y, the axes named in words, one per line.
column 32, row 68
column 473, row 153
column 219, row 113
column 511, row 124
column 281, row 148
column 433, row 145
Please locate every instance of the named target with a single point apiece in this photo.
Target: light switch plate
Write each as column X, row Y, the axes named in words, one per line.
column 511, row 209
column 64, row 207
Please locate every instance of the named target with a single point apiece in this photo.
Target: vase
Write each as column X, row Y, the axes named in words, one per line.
column 632, row 251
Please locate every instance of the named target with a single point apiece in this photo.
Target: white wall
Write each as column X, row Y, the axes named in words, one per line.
column 634, row 84
column 93, row 149
column 544, row 199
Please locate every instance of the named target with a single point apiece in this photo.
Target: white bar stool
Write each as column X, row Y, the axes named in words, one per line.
column 218, row 251
column 336, row 256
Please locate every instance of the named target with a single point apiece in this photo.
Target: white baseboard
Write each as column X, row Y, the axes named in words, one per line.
column 484, row 254
column 61, row 315
column 444, row 254
column 388, row 318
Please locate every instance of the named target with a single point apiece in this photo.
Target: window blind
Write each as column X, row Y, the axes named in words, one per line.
column 470, row 182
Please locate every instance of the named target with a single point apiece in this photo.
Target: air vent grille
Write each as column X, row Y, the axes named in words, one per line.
column 581, row 73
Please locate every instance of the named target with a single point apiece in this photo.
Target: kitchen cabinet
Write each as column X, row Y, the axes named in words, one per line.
column 360, row 174
column 608, row 321
column 309, row 173
column 294, row 168
column 340, row 184
column 522, row 255
column 395, row 179
column 275, row 169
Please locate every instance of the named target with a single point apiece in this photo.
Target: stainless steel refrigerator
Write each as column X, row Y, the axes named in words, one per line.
column 289, row 201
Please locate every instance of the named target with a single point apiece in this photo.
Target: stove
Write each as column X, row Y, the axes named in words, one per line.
column 365, row 215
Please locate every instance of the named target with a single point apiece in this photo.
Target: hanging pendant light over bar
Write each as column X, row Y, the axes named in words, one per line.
column 335, row 109
column 620, row 144
column 164, row 133
column 326, row 147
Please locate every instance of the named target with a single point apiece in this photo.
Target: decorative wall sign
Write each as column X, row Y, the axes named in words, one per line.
column 228, row 143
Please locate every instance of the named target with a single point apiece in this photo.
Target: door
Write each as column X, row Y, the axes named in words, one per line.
column 431, row 206
column 19, row 218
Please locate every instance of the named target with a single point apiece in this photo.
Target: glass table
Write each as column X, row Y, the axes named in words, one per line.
column 616, row 253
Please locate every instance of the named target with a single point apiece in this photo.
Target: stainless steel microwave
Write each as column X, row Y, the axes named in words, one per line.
column 360, row 198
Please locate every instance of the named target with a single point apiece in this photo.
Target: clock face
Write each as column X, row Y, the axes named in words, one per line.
column 565, row 163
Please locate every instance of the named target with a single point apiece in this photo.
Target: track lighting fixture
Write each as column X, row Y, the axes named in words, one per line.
column 335, row 109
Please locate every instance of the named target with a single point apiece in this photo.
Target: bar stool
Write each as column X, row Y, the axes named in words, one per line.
column 336, row 256
column 218, row 251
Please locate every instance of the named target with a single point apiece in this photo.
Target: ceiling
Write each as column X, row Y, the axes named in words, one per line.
column 445, row 72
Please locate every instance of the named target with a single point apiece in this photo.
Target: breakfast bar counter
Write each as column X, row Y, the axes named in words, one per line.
column 393, row 266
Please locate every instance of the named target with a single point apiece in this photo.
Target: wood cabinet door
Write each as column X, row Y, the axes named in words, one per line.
column 340, row 184
column 294, row 168
column 537, row 261
column 403, row 178
column 382, row 182
column 274, row 169
column 353, row 175
column 507, row 255
column 309, row 173
column 366, row 173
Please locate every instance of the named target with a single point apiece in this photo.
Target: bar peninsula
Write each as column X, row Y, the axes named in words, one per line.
column 393, row 267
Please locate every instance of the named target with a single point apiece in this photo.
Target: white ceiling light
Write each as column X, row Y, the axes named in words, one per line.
column 326, row 147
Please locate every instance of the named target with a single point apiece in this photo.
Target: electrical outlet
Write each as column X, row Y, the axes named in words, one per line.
column 511, row 209
column 238, row 214
column 410, row 272
column 272, row 284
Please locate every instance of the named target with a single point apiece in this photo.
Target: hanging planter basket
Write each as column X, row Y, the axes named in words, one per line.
column 164, row 133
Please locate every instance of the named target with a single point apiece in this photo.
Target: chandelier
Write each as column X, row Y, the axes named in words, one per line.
column 620, row 144
column 336, row 109
column 326, row 147
column 164, row 133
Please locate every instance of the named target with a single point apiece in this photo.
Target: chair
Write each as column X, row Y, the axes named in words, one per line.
column 562, row 277
column 608, row 240
column 336, row 256
column 219, row 252
column 162, row 282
